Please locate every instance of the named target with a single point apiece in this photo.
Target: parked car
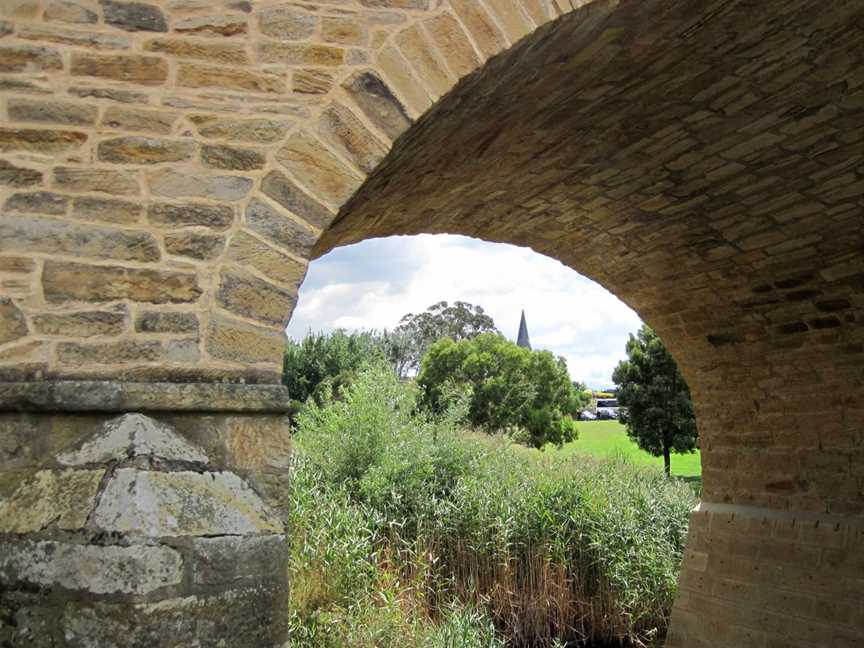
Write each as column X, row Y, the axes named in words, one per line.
column 607, row 409
column 587, row 415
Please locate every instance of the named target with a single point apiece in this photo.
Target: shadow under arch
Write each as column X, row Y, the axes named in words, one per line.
column 704, row 165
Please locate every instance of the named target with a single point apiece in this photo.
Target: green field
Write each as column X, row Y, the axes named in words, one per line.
column 602, row 438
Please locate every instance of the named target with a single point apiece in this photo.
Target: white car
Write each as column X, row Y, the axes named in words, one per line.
column 607, row 409
column 587, row 415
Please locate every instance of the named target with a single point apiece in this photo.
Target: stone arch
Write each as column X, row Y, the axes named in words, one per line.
column 169, row 169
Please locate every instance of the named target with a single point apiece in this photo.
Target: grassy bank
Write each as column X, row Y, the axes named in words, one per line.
column 410, row 532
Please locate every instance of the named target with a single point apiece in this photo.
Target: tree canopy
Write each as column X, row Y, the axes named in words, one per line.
column 659, row 413
column 508, row 387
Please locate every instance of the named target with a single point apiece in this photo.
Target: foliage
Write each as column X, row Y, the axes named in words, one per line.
column 461, row 321
column 511, row 387
column 659, row 413
column 420, row 534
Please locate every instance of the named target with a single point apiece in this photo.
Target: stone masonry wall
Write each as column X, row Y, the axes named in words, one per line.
column 165, row 167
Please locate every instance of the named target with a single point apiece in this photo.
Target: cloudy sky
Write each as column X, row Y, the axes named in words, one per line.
column 374, row 283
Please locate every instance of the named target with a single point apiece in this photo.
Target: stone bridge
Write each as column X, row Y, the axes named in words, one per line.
column 169, row 168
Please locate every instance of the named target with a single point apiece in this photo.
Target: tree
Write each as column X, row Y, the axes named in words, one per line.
column 510, row 387
column 659, row 412
column 461, row 321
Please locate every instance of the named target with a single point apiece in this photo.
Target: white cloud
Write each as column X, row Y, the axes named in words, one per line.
column 374, row 283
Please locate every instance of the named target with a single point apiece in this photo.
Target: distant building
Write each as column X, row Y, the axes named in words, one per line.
column 522, row 339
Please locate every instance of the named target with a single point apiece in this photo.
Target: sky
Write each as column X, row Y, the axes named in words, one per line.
column 372, row 284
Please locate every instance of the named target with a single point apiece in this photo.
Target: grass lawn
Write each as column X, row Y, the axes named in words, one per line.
column 602, row 438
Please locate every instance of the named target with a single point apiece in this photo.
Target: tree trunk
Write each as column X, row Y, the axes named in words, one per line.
column 667, row 465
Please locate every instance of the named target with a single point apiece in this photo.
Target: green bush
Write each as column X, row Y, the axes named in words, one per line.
column 454, row 527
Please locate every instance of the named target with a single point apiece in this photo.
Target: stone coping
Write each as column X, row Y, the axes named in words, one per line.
column 117, row 397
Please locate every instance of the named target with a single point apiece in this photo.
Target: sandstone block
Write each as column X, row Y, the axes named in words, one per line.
column 230, row 559
column 100, row 570
column 62, row 281
column 75, row 354
column 254, row 299
column 281, row 229
column 398, row 72
column 246, row 250
column 155, row 505
column 12, row 323
column 50, row 236
column 227, row 53
column 344, row 31
column 258, row 130
column 447, row 34
column 166, row 322
column 301, row 54
column 283, row 190
column 40, row 141
column 232, row 158
column 99, row 180
column 95, row 40
column 192, row 75
column 27, row 58
column 133, row 119
column 37, row 202
column 237, row 341
column 107, row 210
column 17, row 264
column 420, row 53
column 340, row 128
column 286, row 23
column 396, row 4
column 259, row 445
column 212, row 25
column 378, row 103
column 515, row 24
column 321, row 171
column 144, row 150
column 121, row 96
column 482, row 27
column 80, row 324
column 182, row 351
column 61, row 497
column 14, row 176
column 69, row 12
column 312, row 81
column 202, row 247
column 144, row 70
column 217, row 217
column 175, row 184
column 134, row 16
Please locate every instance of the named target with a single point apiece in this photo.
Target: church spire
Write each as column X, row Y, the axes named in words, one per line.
column 522, row 339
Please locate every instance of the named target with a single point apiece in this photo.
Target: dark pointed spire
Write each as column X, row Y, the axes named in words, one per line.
column 522, row 339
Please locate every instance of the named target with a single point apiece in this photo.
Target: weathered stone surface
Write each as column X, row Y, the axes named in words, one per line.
column 301, row 54
column 259, row 130
column 340, row 128
column 134, row 16
column 107, row 210
column 97, row 569
column 61, row 497
column 156, row 505
column 27, row 58
column 15, row 176
column 217, row 217
column 212, row 26
column 81, row 324
column 51, row 236
column 40, row 141
column 378, row 103
column 13, row 326
column 321, row 171
column 344, row 31
column 397, row 4
column 286, row 23
column 146, row 70
column 166, row 322
column 75, row 354
column 107, row 181
column 396, row 70
column 227, row 53
column 52, row 112
column 145, row 150
column 254, row 298
column 95, row 40
column 133, row 119
column 237, row 341
column 246, row 250
column 37, row 202
column 233, row 158
column 63, row 281
column 175, row 184
column 312, row 81
column 129, row 436
column 232, row 559
column 280, row 188
column 17, row 264
column 283, row 230
column 191, row 75
column 481, row 26
column 453, row 43
column 70, row 12
column 122, row 96
column 202, row 247
column 258, row 445
column 182, row 351
column 425, row 61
